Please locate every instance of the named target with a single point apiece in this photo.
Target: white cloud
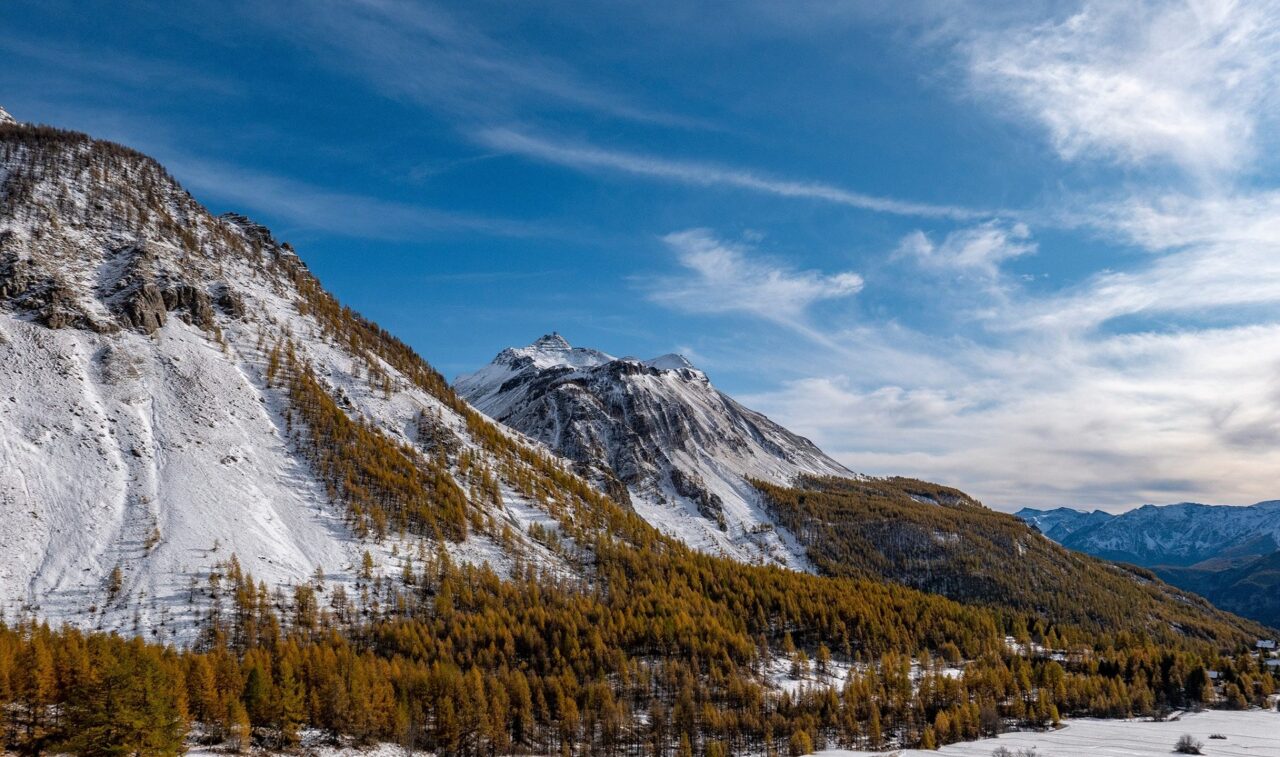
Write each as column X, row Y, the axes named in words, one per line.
column 1111, row 422
column 707, row 174
column 1210, row 281
column 1216, row 256
column 1047, row 399
column 1174, row 221
column 1135, row 82
column 1040, row 405
column 724, row 278
column 977, row 250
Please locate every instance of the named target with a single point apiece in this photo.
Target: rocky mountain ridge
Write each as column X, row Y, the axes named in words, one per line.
column 1182, row 534
column 658, row 433
column 1228, row 554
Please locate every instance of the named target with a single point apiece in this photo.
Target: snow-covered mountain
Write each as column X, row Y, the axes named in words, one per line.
column 148, row 429
column 1228, row 554
column 681, row 450
column 1181, row 534
column 1060, row 522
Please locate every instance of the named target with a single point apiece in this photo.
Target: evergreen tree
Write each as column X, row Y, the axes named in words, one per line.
column 800, row 743
column 129, row 708
column 36, row 687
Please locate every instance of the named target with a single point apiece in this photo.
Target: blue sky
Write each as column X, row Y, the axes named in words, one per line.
column 1027, row 250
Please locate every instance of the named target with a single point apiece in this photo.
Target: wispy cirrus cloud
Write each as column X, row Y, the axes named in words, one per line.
column 727, row 278
column 977, row 251
column 1211, row 282
column 1171, row 221
column 433, row 56
column 1183, row 82
column 317, row 208
column 302, row 205
column 586, row 156
column 84, row 66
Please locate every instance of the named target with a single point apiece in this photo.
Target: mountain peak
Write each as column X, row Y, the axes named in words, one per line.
column 551, row 342
column 671, row 362
column 553, row 351
column 680, row 451
column 5, row 118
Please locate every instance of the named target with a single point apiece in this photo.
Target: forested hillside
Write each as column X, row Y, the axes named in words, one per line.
column 1249, row 587
column 664, row 654
column 485, row 599
column 1224, row 553
column 940, row 540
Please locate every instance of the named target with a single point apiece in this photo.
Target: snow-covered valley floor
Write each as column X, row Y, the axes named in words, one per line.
column 1254, row 733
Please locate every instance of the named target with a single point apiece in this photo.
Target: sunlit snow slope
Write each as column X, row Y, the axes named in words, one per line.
column 138, row 427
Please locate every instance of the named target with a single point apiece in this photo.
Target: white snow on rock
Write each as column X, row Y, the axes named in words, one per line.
column 670, row 362
column 1181, row 534
column 158, row 455
column 684, row 451
column 5, row 118
column 137, row 426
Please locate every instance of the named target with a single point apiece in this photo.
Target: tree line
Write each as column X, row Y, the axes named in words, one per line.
column 458, row 660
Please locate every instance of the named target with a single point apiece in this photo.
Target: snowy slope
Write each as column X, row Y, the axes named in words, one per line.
column 683, row 450
column 138, row 428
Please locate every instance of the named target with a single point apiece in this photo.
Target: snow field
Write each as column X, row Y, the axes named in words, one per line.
column 1253, row 733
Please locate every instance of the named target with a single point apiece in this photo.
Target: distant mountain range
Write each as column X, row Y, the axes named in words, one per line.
column 1230, row 555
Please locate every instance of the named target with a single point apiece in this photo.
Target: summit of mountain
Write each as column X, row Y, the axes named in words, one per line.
column 658, row 434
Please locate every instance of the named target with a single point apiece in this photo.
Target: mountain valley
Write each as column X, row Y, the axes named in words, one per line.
column 220, row 481
column 1228, row 554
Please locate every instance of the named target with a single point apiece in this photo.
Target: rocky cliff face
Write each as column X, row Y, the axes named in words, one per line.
column 682, row 451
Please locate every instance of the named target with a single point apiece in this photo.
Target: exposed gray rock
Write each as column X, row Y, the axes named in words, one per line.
column 145, row 309
column 691, row 487
column 58, row 308
column 252, row 229
column 655, row 429
column 195, row 304
column 230, row 303
column 119, row 364
column 17, row 276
